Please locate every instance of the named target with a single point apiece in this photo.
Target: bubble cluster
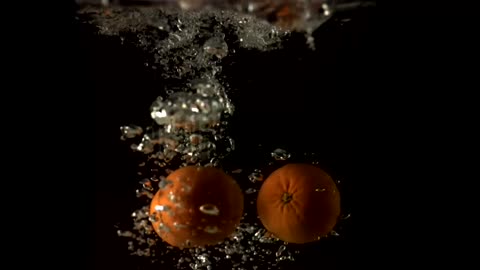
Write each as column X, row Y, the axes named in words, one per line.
column 280, row 154
column 255, row 176
column 286, row 16
column 187, row 43
column 188, row 111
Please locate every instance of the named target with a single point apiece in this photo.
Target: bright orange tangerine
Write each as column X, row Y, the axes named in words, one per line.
column 299, row 203
column 197, row 206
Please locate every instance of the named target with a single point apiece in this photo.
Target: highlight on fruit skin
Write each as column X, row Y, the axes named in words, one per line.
column 196, row 206
column 299, row 203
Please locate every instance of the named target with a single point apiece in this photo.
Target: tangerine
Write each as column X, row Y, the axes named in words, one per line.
column 196, row 206
column 298, row 203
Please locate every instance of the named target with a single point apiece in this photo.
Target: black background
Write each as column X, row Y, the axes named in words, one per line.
column 293, row 99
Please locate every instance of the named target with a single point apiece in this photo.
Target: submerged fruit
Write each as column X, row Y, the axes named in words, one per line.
column 299, row 203
column 196, row 206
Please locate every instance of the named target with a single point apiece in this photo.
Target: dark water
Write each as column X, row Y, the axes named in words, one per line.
column 293, row 98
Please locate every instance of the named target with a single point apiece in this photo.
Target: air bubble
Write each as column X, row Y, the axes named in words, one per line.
column 280, row 250
column 255, row 176
column 205, row 89
column 125, row 233
column 164, row 182
column 172, row 197
column 259, row 233
column 179, row 226
column 229, row 250
column 163, row 227
column 214, row 162
column 211, row 229
column 140, row 214
column 210, row 209
column 195, row 139
column 216, row 46
column 280, row 154
column 146, row 184
column 130, row 132
column 153, row 218
column 161, row 208
column 186, row 188
column 144, row 193
column 232, row 143
column 250, row 229
column 237, row 237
